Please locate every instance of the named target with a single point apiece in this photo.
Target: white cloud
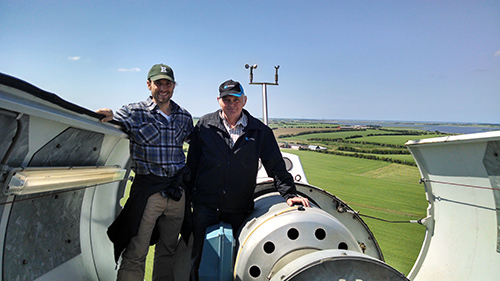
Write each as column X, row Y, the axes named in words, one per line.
column 134, row 69
column 497, row 53
column 74, row 58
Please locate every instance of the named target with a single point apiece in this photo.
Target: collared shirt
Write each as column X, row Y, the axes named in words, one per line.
column 155, row 142
column 237, row 130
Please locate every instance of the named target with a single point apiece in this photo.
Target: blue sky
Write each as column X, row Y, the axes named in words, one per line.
column 363, row 60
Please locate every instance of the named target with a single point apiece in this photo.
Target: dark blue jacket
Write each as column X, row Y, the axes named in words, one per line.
column 224, row 178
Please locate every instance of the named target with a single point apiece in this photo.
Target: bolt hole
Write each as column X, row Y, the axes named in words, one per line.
column 269, row 247
column 293, row 233
column 320, row 234
column 254, row 271
column 343, row 246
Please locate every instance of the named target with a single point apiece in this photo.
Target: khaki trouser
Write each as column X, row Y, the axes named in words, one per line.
column 171, row 215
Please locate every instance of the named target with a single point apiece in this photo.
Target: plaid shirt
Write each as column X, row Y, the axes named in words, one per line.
column 155, row 143
column 237, row 130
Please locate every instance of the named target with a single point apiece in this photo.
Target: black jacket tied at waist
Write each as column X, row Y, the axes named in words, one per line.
column 126, row 225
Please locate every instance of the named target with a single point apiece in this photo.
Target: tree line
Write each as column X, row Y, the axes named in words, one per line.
column 318, row 132
column 373, row 151
column 366, row 156
column 341, row 140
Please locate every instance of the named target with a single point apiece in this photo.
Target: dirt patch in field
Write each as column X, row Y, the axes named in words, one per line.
column 292, row 131
column 392, row 171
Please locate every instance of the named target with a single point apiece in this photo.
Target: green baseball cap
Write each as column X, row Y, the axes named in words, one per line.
column 161, row 71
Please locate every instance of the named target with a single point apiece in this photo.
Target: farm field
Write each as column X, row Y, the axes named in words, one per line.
column 390, row 138
column 369, row 143
column 378, row 189
column 381, row 189
column 292, row 131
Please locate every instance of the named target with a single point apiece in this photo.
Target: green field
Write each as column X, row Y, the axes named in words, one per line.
column 378, row 189
column 382, row 144
column 391, row 139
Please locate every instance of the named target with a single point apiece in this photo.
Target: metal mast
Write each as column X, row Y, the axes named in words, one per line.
column 264, row 88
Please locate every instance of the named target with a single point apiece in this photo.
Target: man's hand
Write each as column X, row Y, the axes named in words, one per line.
column 298, row 201
column 108, row 114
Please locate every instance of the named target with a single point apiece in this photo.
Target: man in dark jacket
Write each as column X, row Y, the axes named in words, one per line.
column 224, row 157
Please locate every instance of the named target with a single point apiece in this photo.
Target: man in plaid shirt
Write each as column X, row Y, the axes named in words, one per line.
column 157, row 129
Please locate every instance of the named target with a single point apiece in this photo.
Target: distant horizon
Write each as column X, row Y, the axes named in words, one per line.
column 416, row 122
column 396, row 121
column 444, row 127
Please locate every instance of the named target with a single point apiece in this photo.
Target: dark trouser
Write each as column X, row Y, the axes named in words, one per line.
column 204, row 217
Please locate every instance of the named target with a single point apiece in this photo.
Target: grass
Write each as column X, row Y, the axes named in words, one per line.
column 366, row 143
column 378, row 189
column 389, row 139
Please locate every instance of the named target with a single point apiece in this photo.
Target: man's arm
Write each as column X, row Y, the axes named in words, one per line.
column 298, row 201
column 275, row 166
column 193, row 156
column 108, row 114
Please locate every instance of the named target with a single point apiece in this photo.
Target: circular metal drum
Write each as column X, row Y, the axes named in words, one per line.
column 337, row 265
column 276, row 234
